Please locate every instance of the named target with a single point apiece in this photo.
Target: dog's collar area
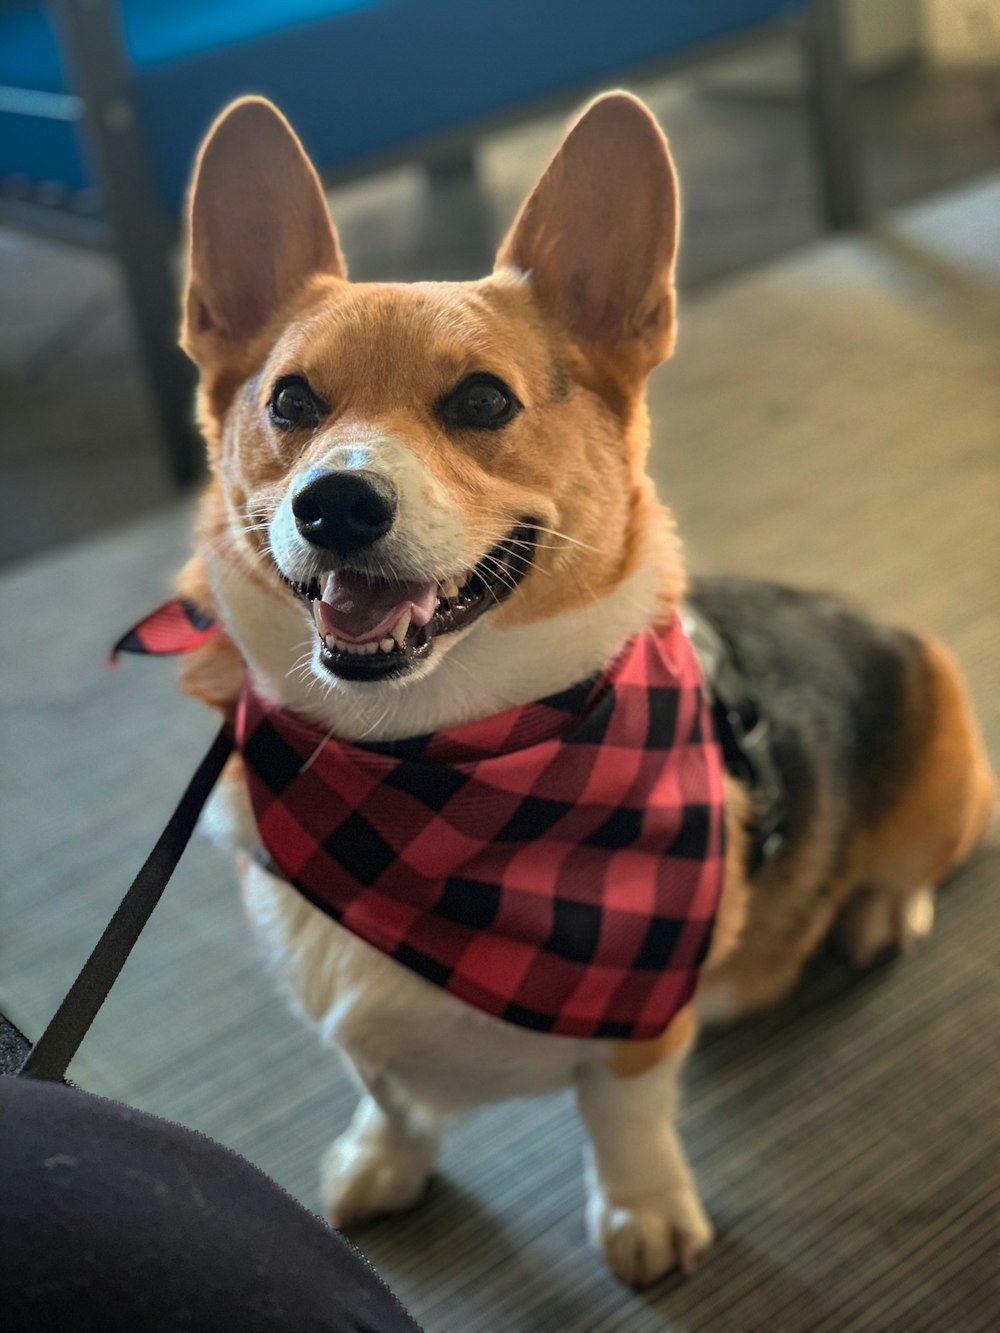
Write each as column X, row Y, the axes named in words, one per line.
column 408, row 617
column 744, row 734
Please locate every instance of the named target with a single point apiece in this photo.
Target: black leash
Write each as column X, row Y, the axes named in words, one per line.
column 50, row 1056
column 746, row 747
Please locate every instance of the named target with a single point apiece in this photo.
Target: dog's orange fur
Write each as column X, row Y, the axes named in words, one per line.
column 383, row 355
column 267, row 296
column 419, row 341
column 942, row 811
column 582, row 458
column 939, row 815
column 632, row 1058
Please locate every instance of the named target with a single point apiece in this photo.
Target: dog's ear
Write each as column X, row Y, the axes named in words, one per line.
column 258, row 227
column 598, row 234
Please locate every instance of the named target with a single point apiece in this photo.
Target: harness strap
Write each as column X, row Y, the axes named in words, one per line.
column 50, row 1056
column 745, row 738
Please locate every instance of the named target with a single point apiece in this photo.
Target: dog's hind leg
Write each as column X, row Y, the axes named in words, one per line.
column 878, row 920
column 934, row 823
column 383, row 1160
column 643, row 1210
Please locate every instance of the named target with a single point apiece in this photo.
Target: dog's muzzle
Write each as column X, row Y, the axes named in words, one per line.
column 377, row 626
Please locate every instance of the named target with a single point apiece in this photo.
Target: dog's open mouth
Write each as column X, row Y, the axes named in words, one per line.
column 373, row 628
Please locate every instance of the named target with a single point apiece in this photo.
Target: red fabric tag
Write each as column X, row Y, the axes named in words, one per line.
column 175, row 627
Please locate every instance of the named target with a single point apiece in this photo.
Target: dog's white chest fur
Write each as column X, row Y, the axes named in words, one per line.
column 447, row 1054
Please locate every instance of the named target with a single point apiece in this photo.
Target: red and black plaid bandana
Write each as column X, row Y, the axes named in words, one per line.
column 558, row 865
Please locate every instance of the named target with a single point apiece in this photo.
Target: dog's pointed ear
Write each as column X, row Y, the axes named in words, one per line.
column 258, row 228
column 598, row 234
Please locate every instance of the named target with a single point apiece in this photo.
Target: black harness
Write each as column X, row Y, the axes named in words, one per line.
column 745, row 738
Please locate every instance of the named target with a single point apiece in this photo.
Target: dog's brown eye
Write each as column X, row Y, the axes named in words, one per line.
column 293, row 404
column 481, row 402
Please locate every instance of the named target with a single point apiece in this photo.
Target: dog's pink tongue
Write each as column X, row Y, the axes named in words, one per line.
column 357, row 608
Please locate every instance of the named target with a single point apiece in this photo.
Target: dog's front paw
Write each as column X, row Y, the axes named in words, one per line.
column 366, row 1175
column 641, row 1242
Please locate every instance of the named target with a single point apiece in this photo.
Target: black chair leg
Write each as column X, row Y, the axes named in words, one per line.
column 152, row 295
column 142, row 237
column 831, row 115
column 459, row 224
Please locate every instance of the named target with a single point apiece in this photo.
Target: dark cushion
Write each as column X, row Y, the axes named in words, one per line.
column 113, row 1221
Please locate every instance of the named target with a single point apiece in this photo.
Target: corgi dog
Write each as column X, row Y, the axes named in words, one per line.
column 428, row 509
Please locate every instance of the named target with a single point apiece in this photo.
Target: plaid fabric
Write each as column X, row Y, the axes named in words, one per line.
column 557, row 865
column 176, row 627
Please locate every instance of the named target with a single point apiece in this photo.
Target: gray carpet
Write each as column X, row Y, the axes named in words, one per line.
column 833, row 419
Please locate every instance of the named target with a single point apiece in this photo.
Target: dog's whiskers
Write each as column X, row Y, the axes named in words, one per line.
column 376, row 724
column 300, row 663
column 527, row 562
column 318, row 750
column 502, row 573
column 552, row 532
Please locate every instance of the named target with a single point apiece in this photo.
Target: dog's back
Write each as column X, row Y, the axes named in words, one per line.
column 882, row 767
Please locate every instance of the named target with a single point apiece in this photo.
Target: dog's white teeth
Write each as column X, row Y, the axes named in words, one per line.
column 400, row 628
column 370, row 648
column 336, row 645
column 449, row 588
column 386, row 645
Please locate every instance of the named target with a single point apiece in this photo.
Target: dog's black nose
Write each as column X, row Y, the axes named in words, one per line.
column 344, row 511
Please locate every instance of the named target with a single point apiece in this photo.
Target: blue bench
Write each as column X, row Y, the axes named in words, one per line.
column 102, row 105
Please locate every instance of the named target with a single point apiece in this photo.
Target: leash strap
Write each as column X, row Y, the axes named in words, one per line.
column 50, row 1056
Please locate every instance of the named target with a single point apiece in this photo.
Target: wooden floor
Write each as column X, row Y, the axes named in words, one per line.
column 832, row 419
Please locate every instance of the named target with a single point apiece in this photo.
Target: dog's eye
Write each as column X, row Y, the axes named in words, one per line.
column 481, row 402
column 293, row 404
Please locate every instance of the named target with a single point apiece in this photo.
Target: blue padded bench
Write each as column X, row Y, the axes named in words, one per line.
column 102, row 105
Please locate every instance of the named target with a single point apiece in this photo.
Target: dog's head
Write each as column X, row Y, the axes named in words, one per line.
column 411, row 475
